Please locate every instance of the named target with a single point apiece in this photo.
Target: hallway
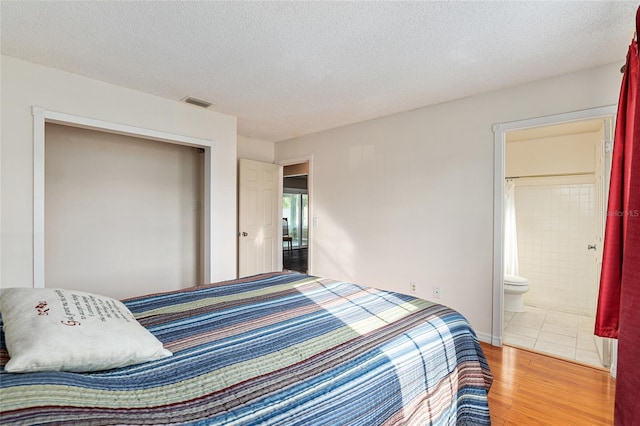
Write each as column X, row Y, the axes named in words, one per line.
column 295, row 260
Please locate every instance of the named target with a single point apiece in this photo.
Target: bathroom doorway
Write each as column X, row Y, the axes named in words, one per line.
column 559, row 172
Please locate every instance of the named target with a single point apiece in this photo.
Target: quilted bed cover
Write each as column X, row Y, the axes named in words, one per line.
column 275, row 349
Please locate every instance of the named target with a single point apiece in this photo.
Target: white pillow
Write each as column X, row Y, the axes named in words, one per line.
column 67, row 330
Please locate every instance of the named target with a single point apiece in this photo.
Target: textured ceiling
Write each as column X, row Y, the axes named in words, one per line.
column 287, row 69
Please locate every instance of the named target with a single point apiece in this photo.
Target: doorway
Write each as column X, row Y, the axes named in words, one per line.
column 295, row 216
column 557, row 196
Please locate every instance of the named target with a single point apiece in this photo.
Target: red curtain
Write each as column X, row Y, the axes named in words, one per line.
column 618, row 313
column 618, row 211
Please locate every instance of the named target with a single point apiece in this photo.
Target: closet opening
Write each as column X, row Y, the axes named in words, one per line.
column 121, row 213
column 191, row 252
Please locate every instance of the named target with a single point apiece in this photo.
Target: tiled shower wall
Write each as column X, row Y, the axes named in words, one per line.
column 555, row 224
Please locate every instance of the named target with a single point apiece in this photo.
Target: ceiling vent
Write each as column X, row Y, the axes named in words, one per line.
column 197, row 102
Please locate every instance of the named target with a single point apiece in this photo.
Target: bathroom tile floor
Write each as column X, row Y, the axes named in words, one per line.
column 556, row 333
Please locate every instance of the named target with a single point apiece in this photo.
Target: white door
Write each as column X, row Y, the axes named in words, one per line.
column 258, row 217
column 603, row 171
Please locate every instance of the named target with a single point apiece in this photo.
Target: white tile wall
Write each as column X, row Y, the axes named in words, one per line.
column 555, row 223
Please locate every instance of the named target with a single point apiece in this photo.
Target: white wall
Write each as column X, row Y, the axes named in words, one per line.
column 255, row 149
column 25, row 84
column 409, row 197
column 554, row 155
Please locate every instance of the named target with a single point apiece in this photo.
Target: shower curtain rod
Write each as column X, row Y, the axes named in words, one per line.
column 551, row 175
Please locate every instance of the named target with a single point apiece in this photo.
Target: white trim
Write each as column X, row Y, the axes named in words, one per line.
column 613, row 370
column 279, row 260
column 288, row 162
column 207, row 212
column 122, row 129
column 42, row 116
column 485, row 337
column 499, row 131
column 498, row 235
column 38, row 196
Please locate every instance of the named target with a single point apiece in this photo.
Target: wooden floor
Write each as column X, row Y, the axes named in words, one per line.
column 533, row 389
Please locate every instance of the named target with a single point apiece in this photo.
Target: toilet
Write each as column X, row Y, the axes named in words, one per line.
column 514, row 288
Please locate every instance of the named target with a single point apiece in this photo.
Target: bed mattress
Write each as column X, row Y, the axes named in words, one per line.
column 275, row 349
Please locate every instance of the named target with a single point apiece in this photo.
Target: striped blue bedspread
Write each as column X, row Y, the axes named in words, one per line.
column 275, row 349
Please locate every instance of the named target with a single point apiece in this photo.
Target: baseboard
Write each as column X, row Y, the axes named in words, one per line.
column 486, row 338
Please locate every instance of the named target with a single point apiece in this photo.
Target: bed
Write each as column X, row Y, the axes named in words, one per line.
column 274, row 349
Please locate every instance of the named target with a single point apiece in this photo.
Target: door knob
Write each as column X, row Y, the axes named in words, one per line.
column 244, row 234
column 591, row 247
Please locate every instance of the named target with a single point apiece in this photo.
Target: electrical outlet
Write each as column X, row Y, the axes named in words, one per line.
column 413, row 288
column 436, row 292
